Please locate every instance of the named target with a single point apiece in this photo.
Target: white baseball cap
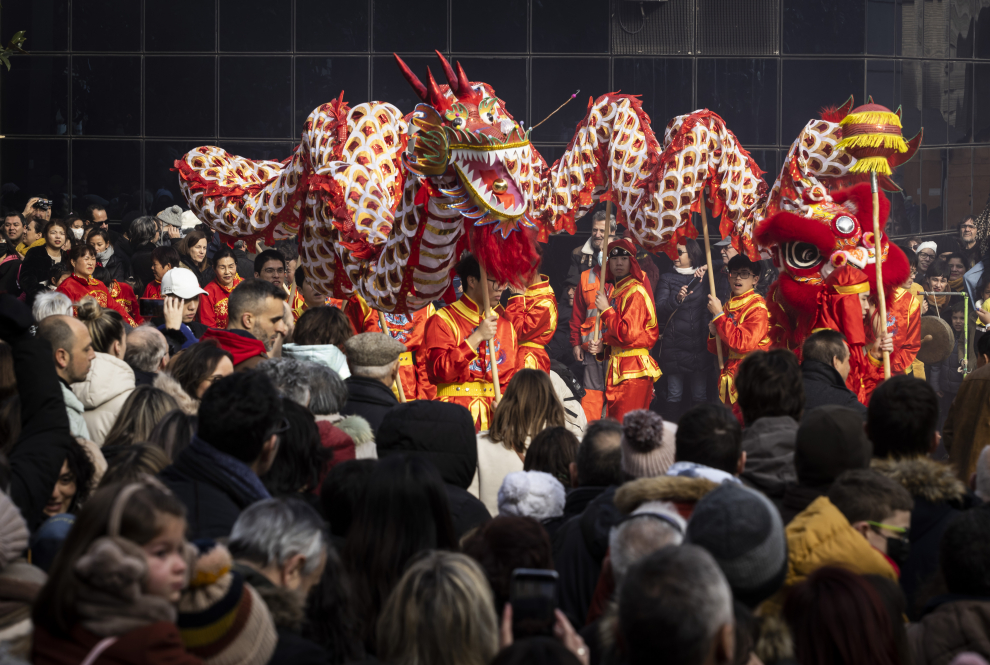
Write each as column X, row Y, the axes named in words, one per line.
column 182, row 283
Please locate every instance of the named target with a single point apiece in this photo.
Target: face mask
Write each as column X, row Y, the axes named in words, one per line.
column 898, row 550
column 78, row 233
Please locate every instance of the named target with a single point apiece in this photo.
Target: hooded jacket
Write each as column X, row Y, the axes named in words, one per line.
column 360, row 432
column 107, row 386
column 443, row 434
column 822, row 536
column 369, row 398
column 684, row 341
column 325, row 354
column 823, row 385
column 939, row 497
column 951, row 625
column 769, row 447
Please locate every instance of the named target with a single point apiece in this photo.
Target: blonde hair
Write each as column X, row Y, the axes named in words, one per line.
column 440, row 613
column 142, row 411
column 528, row 406
column 105, row 326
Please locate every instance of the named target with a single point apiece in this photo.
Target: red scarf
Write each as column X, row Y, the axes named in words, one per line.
column 240, row 346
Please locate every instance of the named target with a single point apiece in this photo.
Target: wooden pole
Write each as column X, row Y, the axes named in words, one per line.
column 398, row 379
column 878, row 255
column 491, row 346
column 711, row 273
column 601, row 277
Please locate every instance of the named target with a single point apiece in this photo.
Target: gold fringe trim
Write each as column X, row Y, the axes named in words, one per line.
column 873, row 141
column 872, row 164
column 872, row 118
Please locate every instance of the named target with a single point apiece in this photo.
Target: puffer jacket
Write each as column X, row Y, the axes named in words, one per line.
column 939, row 497
column 822, row 536
column 769, row 447
column 107, row 386
column 683, row 348
column 952, row 625
column 325, row 354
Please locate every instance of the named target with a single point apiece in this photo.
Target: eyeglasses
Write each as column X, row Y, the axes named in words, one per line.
column 283, row 427
column 745, row 274
column 900, row 530
column 967, row 227
column 929, row 255
column 273, row 271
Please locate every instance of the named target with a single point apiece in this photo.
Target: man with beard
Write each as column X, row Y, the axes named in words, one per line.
column 255, row 325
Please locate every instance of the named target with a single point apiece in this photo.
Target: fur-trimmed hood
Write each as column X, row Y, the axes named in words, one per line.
column 165, row 382
column 677, row 489
column 285, row 605
column 924, row 478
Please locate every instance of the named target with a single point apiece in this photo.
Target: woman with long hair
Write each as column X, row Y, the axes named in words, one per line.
column 142, row 411
column 529, row 405
column 403, row 511
column 213, row 304
column 119, row 574
column 837, row 617
column 39, row 261
column 174, row 433
column 301, row 460
column 682, row 313
column 110, row 380
column 192, row 254
column 81, row 282
column 200, row 366
column 440, row 613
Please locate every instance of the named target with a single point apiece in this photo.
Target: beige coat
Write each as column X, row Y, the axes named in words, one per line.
column 495, row 462
column 107, row 386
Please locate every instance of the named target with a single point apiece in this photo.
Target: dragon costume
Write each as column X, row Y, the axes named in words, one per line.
column 383, row 204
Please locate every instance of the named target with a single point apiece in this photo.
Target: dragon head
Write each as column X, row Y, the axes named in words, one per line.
column 472, row 150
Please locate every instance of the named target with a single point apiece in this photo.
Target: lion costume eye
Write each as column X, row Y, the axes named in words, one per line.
column 457, row 115
column 802, row 255
column 486, row 109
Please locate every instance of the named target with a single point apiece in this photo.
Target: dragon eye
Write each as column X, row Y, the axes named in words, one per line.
column 802, row 255
column 844, row 225
column 458, row 122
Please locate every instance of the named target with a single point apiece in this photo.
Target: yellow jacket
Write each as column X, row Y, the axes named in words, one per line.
column 822, row 536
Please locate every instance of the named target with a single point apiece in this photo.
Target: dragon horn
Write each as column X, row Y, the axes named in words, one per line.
column 465, row 88
column 436, row 98
column 899, row 158
column 414, row 81
column 847, row 107
column 448, row 71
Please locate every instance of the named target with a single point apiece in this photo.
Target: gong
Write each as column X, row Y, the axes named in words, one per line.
column 937, row 340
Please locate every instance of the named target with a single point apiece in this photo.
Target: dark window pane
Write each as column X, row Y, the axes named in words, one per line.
column 550, row 153
column 948, row 29
column 507, row 76
column 981, row 177
column 36, row 95
column 332, row 25
column 108, row 173
column 881, row 76
column 932, row 196
column 255, row 97
column 959, row 183
column 744, row 93
column 824, row 26
column 738, row 28
column 35, row 168
column 981, row 47
column 934, row 95
column 320, row 79
column 106, row 95
column 905, row 208
column 656, row 28
column 180, row 25
column 804, row 95
column 962, row 27
column 389, row 84
column 403, row 26
column 167, row 108
column 259, row 151
column 161, row 184
column 880, row 25
column 554, row 81
column 472, row 27
column 957, row 91
column 46, row 23
column 255, row 26
column 570, row 26
column 664, row 83
column 768, row 161
column 981, row 133
column 106, row 25
column 909, row 22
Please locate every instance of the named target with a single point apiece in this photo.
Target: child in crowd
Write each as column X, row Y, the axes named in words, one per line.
column 937, row 279
column 163, row 259
column 112, row 592
column 740, row 327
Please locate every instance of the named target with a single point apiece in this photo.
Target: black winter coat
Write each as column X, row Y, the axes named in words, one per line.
column 36, row 269
column 118, row 266
column 141, row 265
column 36, row 459
column 823, row 385
column 444, row 435
column 204, row 277
column 684, row 347
column 10, row 269
column 369, row 398
column 579, row 548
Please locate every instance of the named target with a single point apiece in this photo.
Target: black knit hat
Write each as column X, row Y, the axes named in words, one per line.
column 441, row 432
column 830, row 440
column 743, row 531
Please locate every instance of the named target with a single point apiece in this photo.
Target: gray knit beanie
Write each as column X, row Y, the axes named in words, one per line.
column 648, row 444
column 743, row 531
column 171, row 215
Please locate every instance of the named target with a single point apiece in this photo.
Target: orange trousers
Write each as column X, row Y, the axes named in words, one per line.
column 592, row 403
column 629, row 395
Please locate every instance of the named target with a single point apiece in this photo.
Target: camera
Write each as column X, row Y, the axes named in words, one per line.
column 42, row 204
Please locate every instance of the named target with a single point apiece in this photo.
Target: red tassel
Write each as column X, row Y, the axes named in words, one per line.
column 510, row 260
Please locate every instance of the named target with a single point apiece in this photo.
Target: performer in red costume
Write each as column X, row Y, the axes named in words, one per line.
column 409, row 330
column 213, row 305
column 582, row 329
column 740, row 326
column 459, row 340
column 81, row 282
column 629, row 324
column 534, row 315
column 126, row 298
